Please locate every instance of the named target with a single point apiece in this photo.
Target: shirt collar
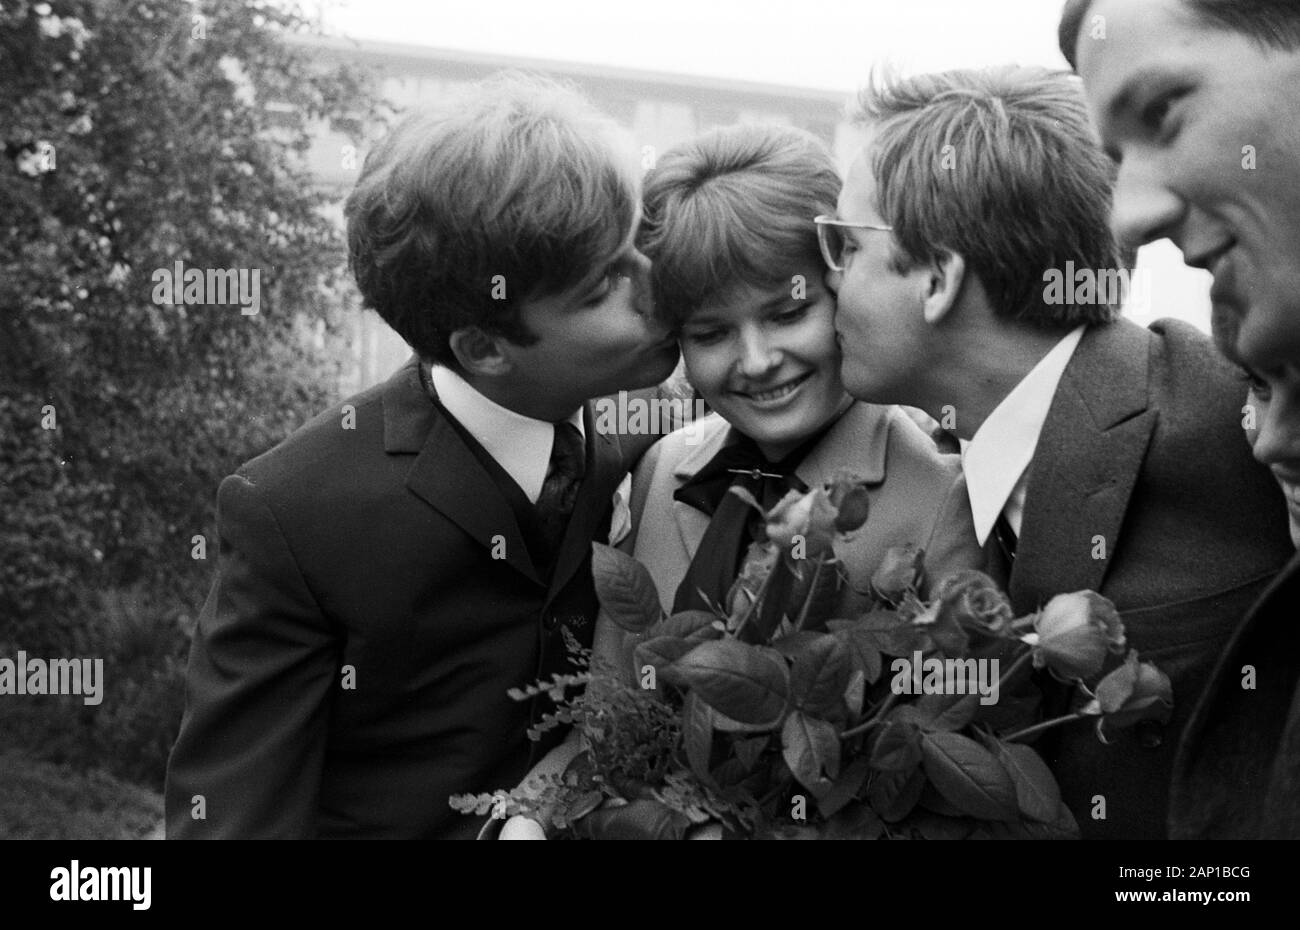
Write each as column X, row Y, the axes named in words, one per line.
column 519, row 444
column 996, row 459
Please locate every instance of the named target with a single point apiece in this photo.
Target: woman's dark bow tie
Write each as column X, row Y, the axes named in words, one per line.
column 743, row 464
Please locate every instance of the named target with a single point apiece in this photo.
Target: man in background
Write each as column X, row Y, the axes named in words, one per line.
column 1196, row 100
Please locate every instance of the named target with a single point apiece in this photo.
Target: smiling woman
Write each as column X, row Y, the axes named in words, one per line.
column 729, row 226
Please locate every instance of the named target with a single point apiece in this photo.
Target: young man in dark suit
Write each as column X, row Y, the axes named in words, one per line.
column 1097, row 454
column 391, row 569
column 1196, row 100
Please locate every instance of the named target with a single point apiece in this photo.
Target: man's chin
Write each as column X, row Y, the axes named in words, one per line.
column 860, row 388
column 654, row 372
column 640, row 381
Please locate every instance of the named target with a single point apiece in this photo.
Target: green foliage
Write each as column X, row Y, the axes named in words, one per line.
column 41, row 800
column 134, row 135
column 129, row 734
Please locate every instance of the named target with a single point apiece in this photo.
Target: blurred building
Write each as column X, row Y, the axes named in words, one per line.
column 659, row 109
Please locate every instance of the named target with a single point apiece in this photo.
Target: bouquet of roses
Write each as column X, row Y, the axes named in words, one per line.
column 771, row 716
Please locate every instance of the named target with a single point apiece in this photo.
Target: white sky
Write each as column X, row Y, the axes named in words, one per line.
column 816, row 43
column 829, row 44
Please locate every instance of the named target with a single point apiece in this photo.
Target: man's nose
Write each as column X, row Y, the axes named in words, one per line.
column 1144, row 209
column 1278, row 441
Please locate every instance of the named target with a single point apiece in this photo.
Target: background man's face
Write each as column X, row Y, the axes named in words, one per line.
column 878, row 312
column 1204, row 125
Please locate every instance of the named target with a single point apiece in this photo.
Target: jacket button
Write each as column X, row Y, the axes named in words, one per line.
column 551, row 622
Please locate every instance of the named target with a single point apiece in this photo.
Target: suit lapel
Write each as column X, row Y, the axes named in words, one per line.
column 446, row 474
column 1219, row 738
column 1085, row 466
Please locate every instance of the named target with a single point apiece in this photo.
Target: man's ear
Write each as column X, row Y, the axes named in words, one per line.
column 943, row 287
column 479, row 352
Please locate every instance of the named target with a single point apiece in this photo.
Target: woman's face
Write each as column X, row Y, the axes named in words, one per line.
column 766, row 359
column 1274, row 400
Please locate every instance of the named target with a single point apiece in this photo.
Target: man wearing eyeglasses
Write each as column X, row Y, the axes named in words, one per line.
column 971, row 241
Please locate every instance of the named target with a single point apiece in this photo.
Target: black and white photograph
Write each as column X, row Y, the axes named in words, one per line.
column 580, row 420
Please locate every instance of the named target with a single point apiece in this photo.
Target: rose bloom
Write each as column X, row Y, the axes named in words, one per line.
column 809, row 516
column 1134, row 692
column 848, row 495
column 1074, row 634
column 975, row 602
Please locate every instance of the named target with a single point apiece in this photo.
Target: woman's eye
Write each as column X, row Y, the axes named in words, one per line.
column 701, row 337
column 793, row 315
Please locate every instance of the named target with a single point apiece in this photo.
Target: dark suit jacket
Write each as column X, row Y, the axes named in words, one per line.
column 1237, row 771
column 1143, row 450
column 368, row 552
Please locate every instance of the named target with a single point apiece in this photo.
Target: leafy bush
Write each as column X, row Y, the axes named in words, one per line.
column 132, row 136
column 39, row 800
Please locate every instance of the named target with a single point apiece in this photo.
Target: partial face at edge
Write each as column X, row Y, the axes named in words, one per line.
column 1202, row 122
column 1275, row 397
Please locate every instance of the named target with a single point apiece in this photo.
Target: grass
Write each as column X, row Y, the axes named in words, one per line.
column 44, row 800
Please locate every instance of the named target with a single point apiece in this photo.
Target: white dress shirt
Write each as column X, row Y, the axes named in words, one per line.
column 519, row 444
column 996, row 459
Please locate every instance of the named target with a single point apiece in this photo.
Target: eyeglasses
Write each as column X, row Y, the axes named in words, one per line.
column 831, row 238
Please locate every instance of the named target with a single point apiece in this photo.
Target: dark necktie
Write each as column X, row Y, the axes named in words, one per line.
column 560, row 489
column 1000, row 551
column 1006, row 536
column 735, row 523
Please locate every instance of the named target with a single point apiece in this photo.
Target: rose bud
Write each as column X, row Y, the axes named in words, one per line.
column 975, row 603
column 808, row 517
column 744, row 590
column 1134, row 692
column 898, row 572
column 1074, row 633
column 852, row 504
